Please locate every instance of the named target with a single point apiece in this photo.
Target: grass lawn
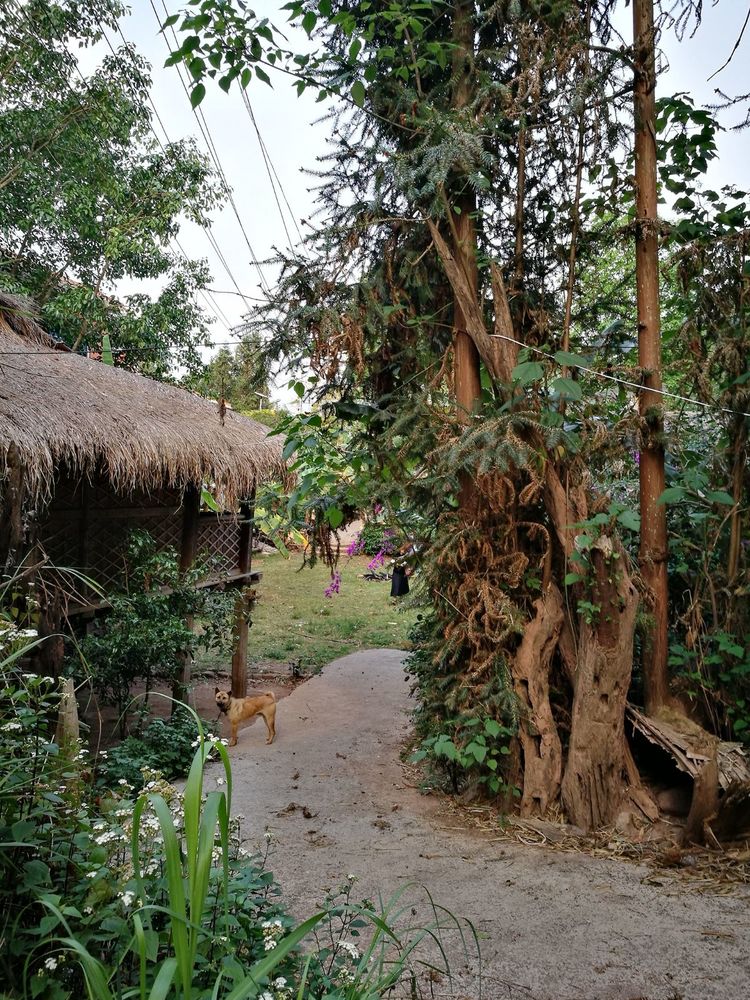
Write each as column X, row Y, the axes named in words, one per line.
column 293, row 620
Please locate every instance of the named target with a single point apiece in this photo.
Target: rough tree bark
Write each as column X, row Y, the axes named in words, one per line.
column 653, row 550
column 540, row 742
column 11, row 509
column 596, row 779
column 593, row 786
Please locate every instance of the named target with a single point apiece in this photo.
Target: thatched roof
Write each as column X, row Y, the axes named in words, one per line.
column 61, row 409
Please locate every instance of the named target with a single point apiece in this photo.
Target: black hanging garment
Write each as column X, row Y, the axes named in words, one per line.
column 399, row 582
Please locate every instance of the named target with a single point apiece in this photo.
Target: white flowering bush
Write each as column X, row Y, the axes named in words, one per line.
column 77, row 860
column 112, row 895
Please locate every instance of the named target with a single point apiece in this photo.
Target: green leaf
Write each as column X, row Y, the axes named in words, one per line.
column 630, row 520
column 673, row 494
column 334, row 516
column 358, row 93
column 720, row 496
column 567, row 387
column 571, row 578
column 208, row 501
column 492, row 728
column 197, row 94
column 309, row 21
column 527, row 372
column 107, row 351
column 566, row 358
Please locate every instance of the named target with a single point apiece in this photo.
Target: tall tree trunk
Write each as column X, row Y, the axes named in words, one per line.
column 467, row 383
column 653, row 549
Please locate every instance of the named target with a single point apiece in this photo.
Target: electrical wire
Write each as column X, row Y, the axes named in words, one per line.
column 211, row 146
column 207, row 230
column 712, row 405
column 273, row 176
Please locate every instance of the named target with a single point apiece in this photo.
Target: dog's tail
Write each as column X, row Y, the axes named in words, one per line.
column 270, row 694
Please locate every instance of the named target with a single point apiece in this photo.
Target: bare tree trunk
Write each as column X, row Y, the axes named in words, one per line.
column 596, row 778
column 653, row 550
column 542, row 750
column 467, row 383
column 593, row 787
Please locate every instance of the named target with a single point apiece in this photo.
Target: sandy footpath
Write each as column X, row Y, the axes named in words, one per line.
column 552, row 926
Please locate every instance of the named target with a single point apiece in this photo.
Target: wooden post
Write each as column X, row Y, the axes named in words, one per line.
column 191, row 508
column 243, row 602
column 11, row 510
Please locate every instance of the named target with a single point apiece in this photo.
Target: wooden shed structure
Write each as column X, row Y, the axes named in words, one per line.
column 89, row 452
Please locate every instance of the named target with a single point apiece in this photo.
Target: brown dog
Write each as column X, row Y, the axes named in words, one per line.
column 237, row 709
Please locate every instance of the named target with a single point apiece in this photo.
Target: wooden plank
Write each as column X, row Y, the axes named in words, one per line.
column 235, row 579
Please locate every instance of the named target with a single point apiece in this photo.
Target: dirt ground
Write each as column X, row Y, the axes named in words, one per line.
column 551, row 925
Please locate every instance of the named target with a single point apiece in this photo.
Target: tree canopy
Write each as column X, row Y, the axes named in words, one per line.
column 89, row 196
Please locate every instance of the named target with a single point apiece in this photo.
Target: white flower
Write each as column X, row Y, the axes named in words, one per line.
column 280, row 983
column 268, row 835
column 11, row 727
column 350, row 948
column 50, row 963
column 128, row 898
column 269, row 944
column 351, row 878
column 266, row 996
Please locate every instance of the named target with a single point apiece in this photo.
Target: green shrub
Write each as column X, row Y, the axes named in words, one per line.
column 164, row 745
column 145, row 636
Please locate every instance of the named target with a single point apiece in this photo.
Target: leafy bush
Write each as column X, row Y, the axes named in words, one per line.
column 164, row 745
column 112, row 896
column 145, row 635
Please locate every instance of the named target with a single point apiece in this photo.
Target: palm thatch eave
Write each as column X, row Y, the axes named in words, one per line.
column 61, row 410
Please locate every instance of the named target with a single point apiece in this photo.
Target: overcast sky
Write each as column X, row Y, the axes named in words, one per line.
column 287, row 126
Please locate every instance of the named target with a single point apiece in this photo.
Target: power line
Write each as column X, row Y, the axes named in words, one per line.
column 271, row 172
column 712, row 405
column 211, row 146
column 207, row 230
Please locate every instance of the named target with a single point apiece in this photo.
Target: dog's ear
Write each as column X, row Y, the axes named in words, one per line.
column 216, row 690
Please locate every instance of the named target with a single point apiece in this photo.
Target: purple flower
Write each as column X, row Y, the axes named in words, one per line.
column 376, row 561
column 377, row 509
column 355, row 546
column 334, row 586
column 637, row 457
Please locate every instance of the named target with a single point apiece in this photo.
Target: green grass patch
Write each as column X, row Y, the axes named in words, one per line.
column 293, row 620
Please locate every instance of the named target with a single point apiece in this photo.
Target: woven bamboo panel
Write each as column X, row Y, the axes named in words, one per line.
column 88, row 525
column 219, row 541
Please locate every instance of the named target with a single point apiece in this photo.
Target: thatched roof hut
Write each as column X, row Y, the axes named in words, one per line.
column 88, row 452
column 59, row 409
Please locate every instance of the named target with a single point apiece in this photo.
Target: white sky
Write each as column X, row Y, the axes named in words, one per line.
column 294, row 141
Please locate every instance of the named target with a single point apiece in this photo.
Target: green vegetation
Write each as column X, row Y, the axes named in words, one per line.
column 145, row 635
column 111, row 895
column 295, row 621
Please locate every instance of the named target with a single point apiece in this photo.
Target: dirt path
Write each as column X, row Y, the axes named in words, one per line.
column 553, row 926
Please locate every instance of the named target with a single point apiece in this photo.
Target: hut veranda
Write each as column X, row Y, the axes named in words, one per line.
column 89, row 452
